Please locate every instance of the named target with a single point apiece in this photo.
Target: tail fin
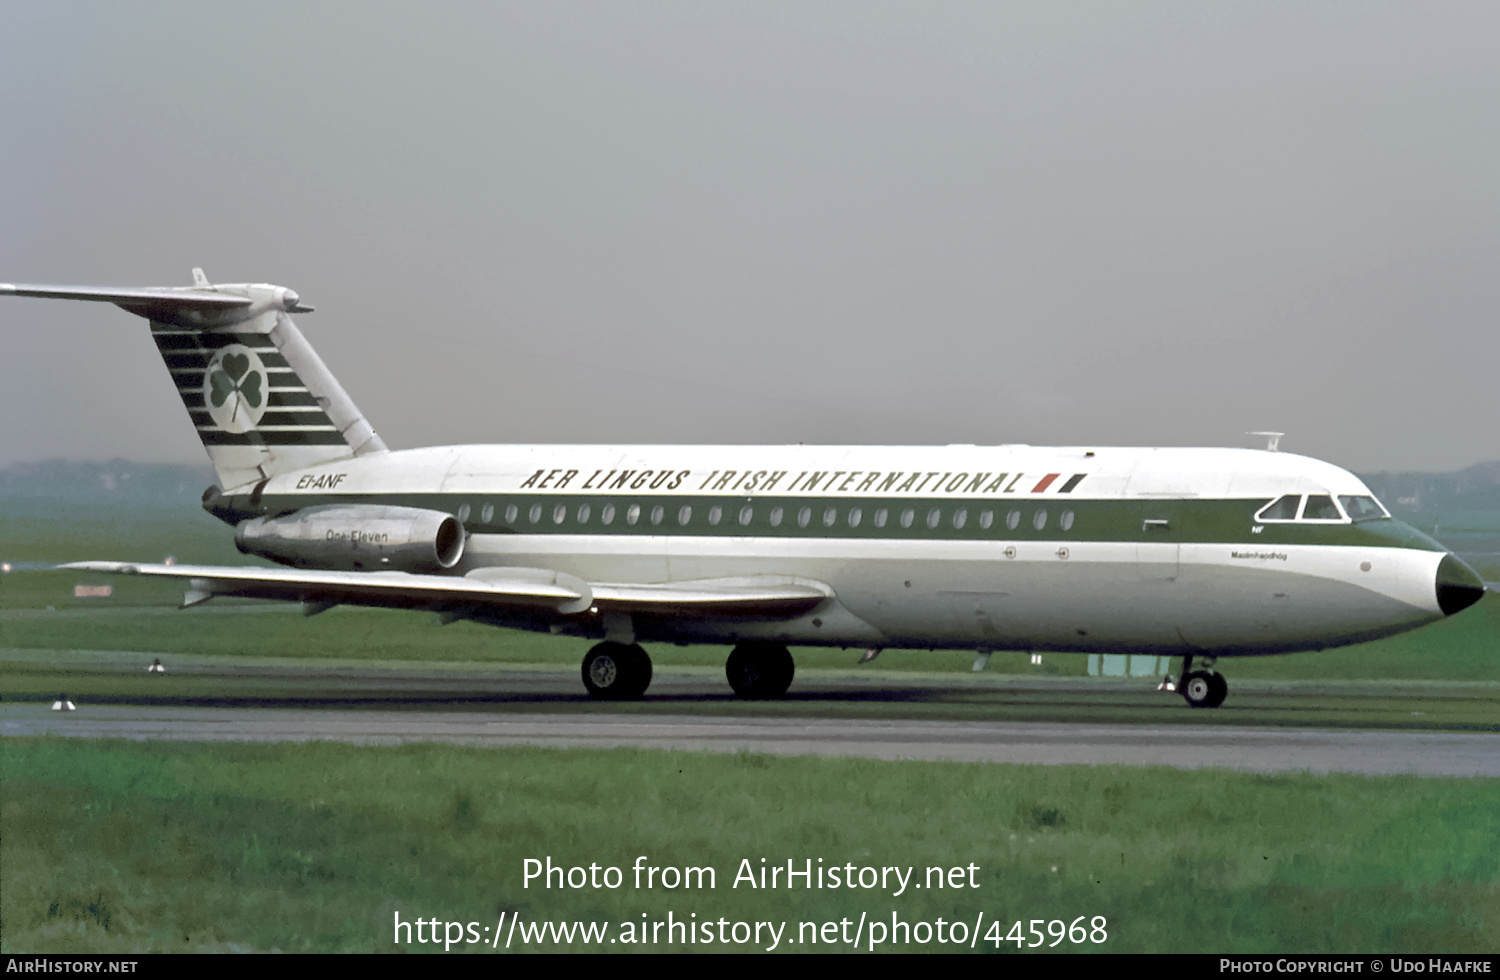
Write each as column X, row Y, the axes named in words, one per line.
column 262, row 400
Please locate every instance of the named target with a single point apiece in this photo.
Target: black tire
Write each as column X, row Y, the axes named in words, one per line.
column 1197, row 689
column 760, row 671
column 640, row 671
column 611, row 672
column 1204, row 689
column 1219, row 690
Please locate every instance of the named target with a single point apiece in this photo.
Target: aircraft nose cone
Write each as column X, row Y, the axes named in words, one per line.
column 1458, row 587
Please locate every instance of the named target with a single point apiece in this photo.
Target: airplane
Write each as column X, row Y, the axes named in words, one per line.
column 1191, row 553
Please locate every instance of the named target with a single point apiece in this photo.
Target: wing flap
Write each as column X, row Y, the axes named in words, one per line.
column 752, row 596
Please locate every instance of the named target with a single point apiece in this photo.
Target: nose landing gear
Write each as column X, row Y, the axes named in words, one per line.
column 1201, row 688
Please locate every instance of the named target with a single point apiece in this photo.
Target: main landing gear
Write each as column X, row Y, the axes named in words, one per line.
column 1202, row 688
column 760, row 671
column 615, row 671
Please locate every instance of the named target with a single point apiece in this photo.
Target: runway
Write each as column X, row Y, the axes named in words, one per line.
column 1263, row 750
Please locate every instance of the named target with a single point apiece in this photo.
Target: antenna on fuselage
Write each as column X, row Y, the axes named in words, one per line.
column 1273, row 440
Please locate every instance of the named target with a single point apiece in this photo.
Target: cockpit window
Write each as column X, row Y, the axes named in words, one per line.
column 1281, row 509
column 1363, row 508
column 1317, row 507
column 1320, row 507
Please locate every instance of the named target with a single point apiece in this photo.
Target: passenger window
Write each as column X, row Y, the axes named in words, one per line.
column 986, row 518
column 583, row 513
column 1320, row 507
column 1013, row 519
column 633, row 514
column 747, row 514
column 830, row 515
column 776, row 513
column 607, row 514
column 657, row 513
column 854, row 516
column 804, row 516
column 488, row 514
column 934, row 517
column 536, row 513
column 1040, row 520
column 960, row 518
column 1066, row 521
column 715, row 515
column 880, row 517
column 1283, row 508
column 684, row 514
column 511, row 512
column 559, row 513
column 463, row 513
column 907, row 516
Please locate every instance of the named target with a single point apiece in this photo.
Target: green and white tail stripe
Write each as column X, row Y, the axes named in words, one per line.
column 258, row 399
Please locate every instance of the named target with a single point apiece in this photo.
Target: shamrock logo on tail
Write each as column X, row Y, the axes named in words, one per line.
column 234, row 388
column 234, row 375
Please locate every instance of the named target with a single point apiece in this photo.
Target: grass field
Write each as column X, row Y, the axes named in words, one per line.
column 128, row 847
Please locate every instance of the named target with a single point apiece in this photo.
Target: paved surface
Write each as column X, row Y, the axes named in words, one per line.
column 1250, row 749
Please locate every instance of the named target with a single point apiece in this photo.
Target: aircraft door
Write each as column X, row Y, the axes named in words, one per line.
column 1156, row 550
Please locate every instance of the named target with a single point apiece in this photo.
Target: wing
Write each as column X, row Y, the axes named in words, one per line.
column 523, row 588
column 501, row 589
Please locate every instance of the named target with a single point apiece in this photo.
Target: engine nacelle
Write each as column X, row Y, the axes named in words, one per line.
column 356, row 537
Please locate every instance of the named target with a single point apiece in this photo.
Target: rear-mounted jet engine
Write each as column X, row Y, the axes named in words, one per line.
column 353, row 537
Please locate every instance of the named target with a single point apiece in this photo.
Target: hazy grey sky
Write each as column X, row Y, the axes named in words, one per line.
column 1077, row 223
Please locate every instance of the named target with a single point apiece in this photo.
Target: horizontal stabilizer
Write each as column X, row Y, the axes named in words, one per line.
column 193, row 306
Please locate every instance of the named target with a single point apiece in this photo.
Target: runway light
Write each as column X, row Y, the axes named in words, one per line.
column 169, row 560
column 156, row 667
column 63, row 704
column 4, row 567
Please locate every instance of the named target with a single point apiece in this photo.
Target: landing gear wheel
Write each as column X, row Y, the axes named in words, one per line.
column 760, row 670
column 616, row 672
column 1220, row 690
column 1203, row 689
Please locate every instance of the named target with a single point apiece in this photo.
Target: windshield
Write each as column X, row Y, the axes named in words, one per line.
column 1281, row 509
column 1320, row 508
column 1363, row 508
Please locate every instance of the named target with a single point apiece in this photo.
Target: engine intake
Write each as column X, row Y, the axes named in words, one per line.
column 356, row 537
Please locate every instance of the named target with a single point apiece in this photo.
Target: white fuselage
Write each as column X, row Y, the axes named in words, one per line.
column 989, row 548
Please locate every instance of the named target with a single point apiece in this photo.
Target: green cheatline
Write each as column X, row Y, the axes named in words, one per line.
column 1197, row 521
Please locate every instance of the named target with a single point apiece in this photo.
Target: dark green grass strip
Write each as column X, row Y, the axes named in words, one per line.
column 113, row 846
